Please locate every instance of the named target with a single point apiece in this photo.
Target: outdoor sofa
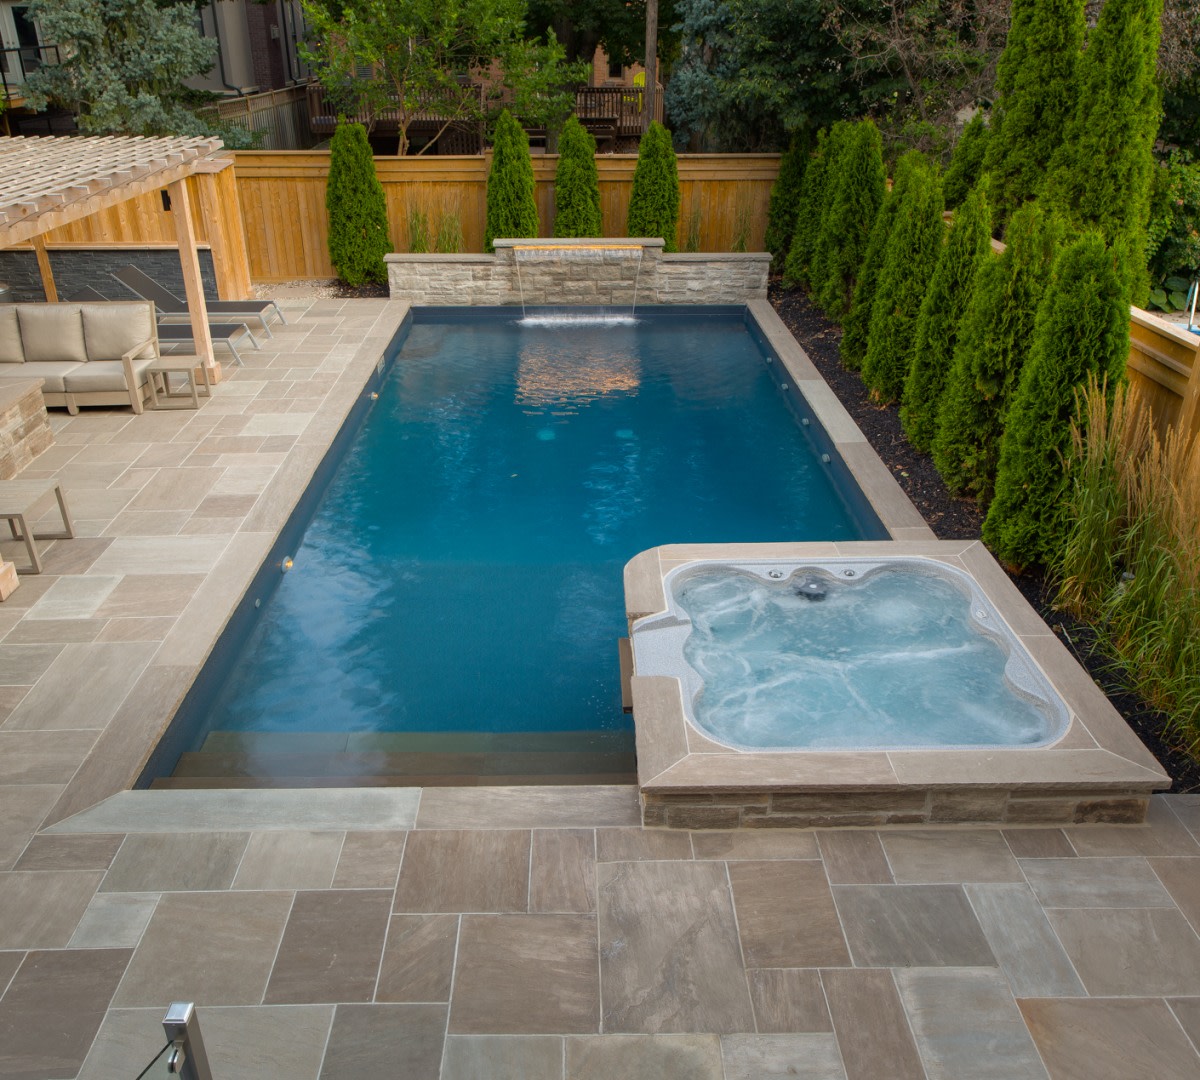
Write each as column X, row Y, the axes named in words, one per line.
column 84, row 353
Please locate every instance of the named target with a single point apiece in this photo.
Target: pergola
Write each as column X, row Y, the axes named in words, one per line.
column 51, row 181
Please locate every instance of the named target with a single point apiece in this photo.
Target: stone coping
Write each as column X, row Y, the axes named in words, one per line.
column 15, row 390
column 1098, row 770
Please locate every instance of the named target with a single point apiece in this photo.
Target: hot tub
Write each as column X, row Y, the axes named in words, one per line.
column 863, row 683
column 883, row 653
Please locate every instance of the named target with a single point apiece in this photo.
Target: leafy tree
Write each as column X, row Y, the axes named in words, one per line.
column 122, row 66
column 654, row 200
column 1101, row 174
column 993, row 342
column 942, row 310
column 753, row 72
column 1082, row 329
column 857, row 328
column 855, row 189
column 576, row 183
column 354, row 201
column 913, row 250
column 1036, row 93
column 511, row 207
column 966, row 165
column 619, row 26
column 423, row 55
column 818, row 246
column 920, row 62
column 785, row 198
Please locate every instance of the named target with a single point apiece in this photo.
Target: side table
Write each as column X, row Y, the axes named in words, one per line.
column 184, row 396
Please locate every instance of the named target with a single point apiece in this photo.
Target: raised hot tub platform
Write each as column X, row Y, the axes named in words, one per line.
column 1099, row 771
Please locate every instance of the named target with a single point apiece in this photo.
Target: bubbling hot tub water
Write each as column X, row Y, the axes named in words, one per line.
column 888, row 654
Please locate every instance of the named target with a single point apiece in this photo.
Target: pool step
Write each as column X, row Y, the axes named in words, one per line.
column 517, row 780
column 415, row 769
column 437, row 742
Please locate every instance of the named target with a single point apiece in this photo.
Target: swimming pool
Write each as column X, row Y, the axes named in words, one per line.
column 453, row 591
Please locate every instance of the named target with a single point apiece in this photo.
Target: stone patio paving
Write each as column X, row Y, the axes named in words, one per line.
column 475, row 933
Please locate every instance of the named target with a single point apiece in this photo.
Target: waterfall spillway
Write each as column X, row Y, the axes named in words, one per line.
column 578, row 253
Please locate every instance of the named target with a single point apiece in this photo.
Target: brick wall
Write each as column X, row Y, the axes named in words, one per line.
column 264, row 51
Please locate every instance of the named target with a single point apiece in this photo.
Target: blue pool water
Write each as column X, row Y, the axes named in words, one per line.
column 463, row 571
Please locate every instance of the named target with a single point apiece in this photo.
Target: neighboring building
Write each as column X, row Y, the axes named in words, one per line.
column 258, row 46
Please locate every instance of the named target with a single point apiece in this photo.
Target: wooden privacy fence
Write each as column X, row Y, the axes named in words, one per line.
column 268, row 224
column 283, row 202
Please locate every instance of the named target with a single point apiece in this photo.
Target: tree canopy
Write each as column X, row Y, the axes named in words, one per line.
column 429, row 52
column 124, row 64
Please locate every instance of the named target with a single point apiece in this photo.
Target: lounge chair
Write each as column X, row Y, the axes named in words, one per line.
column 223, row 333
column 169, row 304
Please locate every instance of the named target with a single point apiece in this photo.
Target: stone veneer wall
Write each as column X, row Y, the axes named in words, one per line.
column 802, row 809
column 607, row 279
column 24, row 426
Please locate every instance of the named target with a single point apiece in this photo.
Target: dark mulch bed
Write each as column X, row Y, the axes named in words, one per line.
column 955, row 519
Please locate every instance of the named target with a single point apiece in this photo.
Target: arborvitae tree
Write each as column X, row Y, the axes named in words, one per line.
column 806, row 225
column 913, row 250
column 1082, row 329
column 357, row 209
column 1035, row 99
column 856, row 184
column 511, row 207
column 785, row 197
column 966, row 166
column 818, row 248
column 576, row 183
column 1101, row 173
column 942, row 310
column 857, row 327
column 654, row 200
column 994, row 339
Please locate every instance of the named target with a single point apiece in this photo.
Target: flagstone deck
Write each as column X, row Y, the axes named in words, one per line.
column 483, row 933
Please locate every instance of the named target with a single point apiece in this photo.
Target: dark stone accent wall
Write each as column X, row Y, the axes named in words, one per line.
column 93, row 267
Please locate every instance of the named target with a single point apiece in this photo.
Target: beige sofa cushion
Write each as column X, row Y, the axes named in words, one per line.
column 104, row 376
column 52, row 332
column 52, row 372
column 10, row 336
column 111, row 330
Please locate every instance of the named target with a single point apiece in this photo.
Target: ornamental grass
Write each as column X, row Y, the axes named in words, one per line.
column 1131, row 562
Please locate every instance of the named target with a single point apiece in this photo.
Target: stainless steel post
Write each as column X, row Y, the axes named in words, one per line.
column 186, row 1057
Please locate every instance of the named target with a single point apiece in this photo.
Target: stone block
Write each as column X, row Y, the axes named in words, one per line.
column 964, row 806
column 1112, row 811
column 704, row 817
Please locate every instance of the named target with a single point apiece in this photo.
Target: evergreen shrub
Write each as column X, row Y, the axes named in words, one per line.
column 576, row 183
column 654, row 200
column 967, row 245
column 354, row 201
column 1082, row 330
column 966, row 166
column 785, row 197
column 816, row 248
column 511, row 207
column 913, row 250
column 807, row 222
column 1035, row 99
column 857, row 326
column 994, row 339
column 1100, row 176
column 856, row 185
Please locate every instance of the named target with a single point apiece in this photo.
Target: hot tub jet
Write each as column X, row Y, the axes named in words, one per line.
column 811, row 588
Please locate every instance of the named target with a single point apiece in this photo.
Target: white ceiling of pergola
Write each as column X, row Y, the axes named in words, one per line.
column 53, row 180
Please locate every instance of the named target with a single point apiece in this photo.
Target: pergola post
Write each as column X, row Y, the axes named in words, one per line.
column 43, row 261
column 181, row 214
